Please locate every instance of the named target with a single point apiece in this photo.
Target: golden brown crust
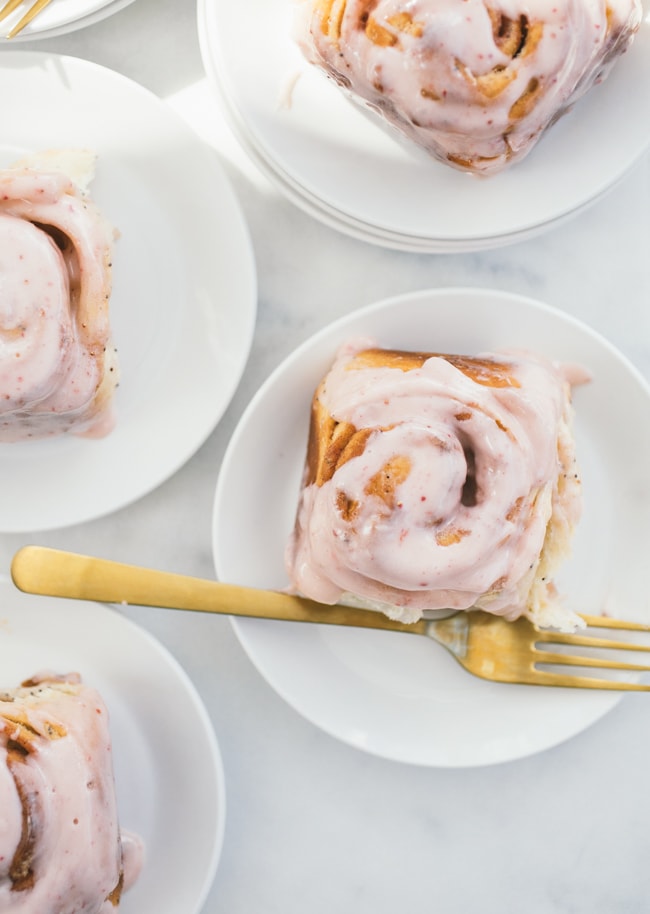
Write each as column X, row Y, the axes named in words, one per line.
column 331, row 13
column 488, row 372
column 21, row 872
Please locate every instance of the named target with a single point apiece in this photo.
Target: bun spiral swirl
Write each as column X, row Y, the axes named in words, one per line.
column 58, row 368
column 437, row 481
column 475, row 83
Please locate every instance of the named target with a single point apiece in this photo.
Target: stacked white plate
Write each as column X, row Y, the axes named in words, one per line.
column 62, row 17
column 343, row 168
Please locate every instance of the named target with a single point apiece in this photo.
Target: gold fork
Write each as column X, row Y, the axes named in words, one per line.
column 485, row 645
column 31, row 14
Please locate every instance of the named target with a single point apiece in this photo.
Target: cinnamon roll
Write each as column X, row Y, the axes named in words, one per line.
column 475, row 83
column 58, row 366
column 60, row 844
column 438, row 482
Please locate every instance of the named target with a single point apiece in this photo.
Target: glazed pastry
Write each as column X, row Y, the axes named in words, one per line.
column 58, row 366
column 438, row 482
column 475, row 83
column 60, row 844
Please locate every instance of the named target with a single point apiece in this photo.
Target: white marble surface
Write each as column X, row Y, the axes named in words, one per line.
column 314, row 825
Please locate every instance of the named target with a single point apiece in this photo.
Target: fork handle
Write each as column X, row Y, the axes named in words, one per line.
column 56, row 573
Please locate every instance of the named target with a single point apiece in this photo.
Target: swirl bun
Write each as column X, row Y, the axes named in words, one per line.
column 60, row 844
column 475, row 83
column 58, row 368
column 437, row 481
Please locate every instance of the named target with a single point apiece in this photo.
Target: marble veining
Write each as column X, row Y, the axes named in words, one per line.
column 314, row 825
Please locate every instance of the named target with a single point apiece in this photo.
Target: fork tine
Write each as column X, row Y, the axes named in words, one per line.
column 544, row 677
column 578, row 660
column 8, row 8
column 31, row 13
column 576, row 640
column 608, row 622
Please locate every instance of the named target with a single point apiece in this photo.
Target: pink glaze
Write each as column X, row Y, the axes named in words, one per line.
column 514, row 442
column 57, row 365
column 63, row 774
column 430, row 82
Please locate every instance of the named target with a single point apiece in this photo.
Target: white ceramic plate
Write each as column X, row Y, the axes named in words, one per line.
column 61, row 17
column 401, row 697
column 184, row 295
column 177, row 807
column 343, row 168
